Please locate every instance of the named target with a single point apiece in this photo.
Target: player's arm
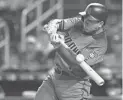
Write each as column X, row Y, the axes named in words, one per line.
column 62, row 24
column 69, row 22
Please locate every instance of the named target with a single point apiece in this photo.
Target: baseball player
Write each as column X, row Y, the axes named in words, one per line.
column 83, row 34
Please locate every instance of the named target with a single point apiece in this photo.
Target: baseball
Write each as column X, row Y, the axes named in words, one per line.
column 80, row 58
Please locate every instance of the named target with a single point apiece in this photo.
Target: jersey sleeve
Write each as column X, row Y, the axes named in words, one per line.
column 68, row 23
column 95, row 51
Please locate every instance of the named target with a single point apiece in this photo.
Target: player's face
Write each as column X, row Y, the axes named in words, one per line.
column 91, row 24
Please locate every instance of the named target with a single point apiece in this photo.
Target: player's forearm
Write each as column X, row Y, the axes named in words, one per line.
column 66, row 24
column 61, row 24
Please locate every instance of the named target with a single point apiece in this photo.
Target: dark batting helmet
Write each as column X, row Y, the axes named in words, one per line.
column 96, row 10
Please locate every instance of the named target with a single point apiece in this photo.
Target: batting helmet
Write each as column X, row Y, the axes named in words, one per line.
column 96, row 10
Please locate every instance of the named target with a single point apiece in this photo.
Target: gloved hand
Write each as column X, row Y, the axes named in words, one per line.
column 56, row 39
column 52, row 26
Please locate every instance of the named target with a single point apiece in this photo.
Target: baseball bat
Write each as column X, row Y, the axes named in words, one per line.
column 80, row 58
column 94, row 76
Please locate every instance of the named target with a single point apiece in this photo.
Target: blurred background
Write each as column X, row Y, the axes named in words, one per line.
column 23, row 46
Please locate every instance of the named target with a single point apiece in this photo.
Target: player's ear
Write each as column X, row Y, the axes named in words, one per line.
column 101, row 24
